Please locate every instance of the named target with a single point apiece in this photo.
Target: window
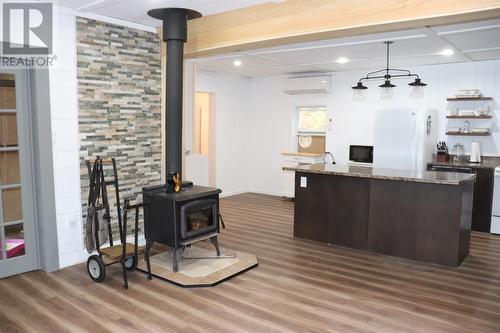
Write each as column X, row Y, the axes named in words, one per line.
column 312, row 119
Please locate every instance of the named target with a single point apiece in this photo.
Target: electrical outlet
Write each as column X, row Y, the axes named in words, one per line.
column 303, row 181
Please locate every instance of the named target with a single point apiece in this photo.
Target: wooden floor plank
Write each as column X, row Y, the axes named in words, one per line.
column 299, row 286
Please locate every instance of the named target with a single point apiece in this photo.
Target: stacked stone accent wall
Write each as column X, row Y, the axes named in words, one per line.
column 119, row 83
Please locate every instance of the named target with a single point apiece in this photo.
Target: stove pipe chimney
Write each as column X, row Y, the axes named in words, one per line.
column 175, row 35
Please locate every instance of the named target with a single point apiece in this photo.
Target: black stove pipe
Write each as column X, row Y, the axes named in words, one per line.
column 175, row 35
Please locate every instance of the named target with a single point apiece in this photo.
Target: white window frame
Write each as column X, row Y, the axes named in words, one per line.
column 298, row 132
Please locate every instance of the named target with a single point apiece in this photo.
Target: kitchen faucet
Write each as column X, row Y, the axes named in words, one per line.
column 331, row 155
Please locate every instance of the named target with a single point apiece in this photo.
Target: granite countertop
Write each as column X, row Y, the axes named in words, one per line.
column 487, row 162
column 432, row 177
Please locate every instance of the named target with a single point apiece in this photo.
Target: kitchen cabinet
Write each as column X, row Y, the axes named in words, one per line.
column 483, row 190
column 483, row 200
column 292, row 160
column 423, row 216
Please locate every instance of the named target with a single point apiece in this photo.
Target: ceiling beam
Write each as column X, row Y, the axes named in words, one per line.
column 295, row 21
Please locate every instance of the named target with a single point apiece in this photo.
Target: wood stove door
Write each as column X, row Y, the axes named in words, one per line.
column 198, row 218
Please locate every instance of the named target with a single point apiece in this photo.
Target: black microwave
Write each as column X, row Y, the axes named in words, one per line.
column 363, row 154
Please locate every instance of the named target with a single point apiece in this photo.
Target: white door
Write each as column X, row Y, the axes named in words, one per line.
column 18, row 245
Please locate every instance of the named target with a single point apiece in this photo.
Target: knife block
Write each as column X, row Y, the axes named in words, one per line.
column 442, row 156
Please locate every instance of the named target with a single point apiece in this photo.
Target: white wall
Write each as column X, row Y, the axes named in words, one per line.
column 269, row 123
column 65, row 139
column 231, row 129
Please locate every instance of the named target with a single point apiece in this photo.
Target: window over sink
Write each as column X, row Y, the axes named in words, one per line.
column 312, row 119
column 312, row 122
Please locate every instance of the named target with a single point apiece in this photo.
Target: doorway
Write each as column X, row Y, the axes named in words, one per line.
column 18, row 241
column 200, row 163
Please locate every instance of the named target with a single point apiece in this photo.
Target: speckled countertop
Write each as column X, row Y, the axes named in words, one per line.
column 295, row 153
column 448, row 178
column 487, row 162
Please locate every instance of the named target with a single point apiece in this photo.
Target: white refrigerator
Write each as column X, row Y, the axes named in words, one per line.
column 404, row 138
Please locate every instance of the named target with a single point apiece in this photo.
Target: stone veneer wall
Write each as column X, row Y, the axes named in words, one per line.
column 119, row 85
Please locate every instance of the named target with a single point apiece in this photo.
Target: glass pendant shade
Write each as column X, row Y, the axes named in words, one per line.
column 359, row 94
column 386, row 93
column 417, row 89
column 417, row 92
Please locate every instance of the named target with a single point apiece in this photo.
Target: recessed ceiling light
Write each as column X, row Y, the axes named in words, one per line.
column 342, row 60
column 237, row 63
column 447, row 52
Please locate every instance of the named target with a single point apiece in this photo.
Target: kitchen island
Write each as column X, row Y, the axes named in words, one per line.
column 420, row 215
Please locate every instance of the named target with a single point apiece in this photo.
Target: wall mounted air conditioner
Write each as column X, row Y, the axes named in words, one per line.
column 308, row 85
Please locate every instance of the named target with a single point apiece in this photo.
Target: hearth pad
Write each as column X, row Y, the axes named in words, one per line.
column 200, row 272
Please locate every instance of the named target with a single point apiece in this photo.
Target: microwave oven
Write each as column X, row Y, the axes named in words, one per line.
column 361, row 154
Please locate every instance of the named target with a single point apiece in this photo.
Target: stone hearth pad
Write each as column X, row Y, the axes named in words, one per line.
column 200, row 272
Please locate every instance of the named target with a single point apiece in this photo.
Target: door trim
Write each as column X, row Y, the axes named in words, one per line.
column 43, row 170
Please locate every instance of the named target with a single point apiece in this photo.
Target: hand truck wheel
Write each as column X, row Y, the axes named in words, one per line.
column 131, row 263
column 96, row 268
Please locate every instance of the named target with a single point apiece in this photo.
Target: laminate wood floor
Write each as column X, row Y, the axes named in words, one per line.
column 299, row 286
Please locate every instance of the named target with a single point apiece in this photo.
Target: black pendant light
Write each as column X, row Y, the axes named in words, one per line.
column 389, row 73
column 387, row 84
column 417, row 83
column 359, row 86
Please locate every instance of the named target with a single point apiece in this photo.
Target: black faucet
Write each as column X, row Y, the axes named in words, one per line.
column 331, row 155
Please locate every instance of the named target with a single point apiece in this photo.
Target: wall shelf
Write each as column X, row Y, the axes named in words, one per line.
column 459, row 99
column 469, row 117
column 469, row 133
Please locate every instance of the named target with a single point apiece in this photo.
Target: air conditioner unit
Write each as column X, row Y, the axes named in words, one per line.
column 308, row 85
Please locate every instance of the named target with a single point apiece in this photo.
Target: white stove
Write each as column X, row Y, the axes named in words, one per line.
column 495, row 219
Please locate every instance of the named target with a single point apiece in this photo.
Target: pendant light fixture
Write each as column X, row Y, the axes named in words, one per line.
column 387, row 88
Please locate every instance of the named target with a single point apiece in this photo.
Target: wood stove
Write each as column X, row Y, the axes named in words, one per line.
column 177, row 214
column 180, row 219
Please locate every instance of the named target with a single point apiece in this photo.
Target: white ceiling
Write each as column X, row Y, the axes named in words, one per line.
column 471, row 42
column 135, row 10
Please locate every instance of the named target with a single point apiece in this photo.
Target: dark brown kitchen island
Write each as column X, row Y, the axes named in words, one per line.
column 424, row 216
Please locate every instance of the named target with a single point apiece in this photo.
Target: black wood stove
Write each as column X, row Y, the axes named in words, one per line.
column 180, row 219
column 177, row 214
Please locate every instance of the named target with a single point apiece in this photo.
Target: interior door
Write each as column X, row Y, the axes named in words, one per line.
column 18, row 245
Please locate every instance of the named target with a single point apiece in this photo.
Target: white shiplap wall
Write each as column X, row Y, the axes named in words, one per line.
column 268, row 126
column 65, row 139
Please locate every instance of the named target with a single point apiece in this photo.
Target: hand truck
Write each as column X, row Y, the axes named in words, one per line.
column 124, row 253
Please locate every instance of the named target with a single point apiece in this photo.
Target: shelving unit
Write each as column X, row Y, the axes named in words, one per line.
column 469, row 117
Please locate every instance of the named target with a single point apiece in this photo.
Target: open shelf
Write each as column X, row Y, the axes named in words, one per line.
column 469, row 117
column 469, row 133
column 451, row 99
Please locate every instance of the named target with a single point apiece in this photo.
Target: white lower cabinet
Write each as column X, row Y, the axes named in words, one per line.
column 288, row 177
